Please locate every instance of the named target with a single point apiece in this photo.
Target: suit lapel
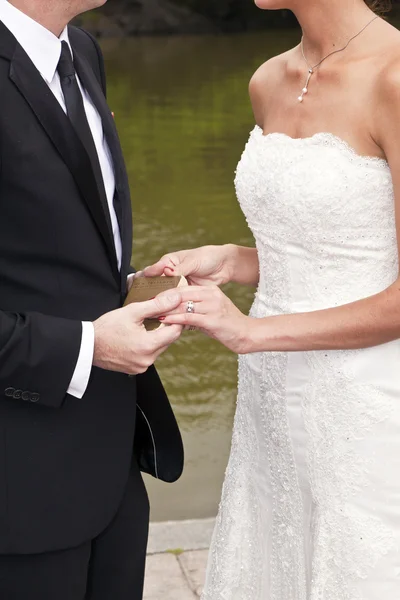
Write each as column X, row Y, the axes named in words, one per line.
column 91, row 85
column 59, row 129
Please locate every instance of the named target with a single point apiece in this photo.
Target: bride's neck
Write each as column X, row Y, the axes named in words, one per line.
column 329, row 24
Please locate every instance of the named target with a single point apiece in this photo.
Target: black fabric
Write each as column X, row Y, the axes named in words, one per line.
column 117, row 564
column 122, row 201
column 74, row 101
column 64, row 462
column 77, row 115
column 110, row 567
column 156, row 455
column 95, row 58
column 76, row 110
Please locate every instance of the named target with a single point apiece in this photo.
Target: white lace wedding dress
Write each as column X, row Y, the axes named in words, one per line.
column 311, row 502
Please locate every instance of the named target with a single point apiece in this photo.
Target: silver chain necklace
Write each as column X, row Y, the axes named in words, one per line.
column 311, row 70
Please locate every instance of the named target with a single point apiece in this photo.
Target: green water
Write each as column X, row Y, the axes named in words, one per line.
column 181, row 106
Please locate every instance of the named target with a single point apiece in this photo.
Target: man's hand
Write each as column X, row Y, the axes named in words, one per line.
column 209, row 265
column 122, row 342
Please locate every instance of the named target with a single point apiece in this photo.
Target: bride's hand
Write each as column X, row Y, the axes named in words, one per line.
column 215, row 315
column 208, row 265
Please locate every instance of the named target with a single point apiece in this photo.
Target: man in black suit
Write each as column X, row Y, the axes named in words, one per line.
column 76, row 379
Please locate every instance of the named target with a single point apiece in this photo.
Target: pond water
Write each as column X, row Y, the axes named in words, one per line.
column 181, row 106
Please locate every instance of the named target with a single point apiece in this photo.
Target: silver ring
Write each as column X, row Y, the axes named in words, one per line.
column 190, row 307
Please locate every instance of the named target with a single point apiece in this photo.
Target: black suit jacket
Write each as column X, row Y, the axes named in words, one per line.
column 64, row 462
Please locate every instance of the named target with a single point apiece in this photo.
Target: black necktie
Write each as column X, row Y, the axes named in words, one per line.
column 77, row 116
column 74, row 103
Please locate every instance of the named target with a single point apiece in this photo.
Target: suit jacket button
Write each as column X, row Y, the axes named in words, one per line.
column 26, row 396
column 9, row 392
column 17, row 394
column 35, row 397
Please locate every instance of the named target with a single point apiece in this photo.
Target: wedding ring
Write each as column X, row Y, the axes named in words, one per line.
column 190, row 307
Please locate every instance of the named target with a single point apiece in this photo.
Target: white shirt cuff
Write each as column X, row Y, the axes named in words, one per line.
column 80, row 378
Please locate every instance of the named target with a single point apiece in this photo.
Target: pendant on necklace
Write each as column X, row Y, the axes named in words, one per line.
column 304, row 91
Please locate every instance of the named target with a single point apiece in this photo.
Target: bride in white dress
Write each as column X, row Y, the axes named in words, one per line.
column 310, row 507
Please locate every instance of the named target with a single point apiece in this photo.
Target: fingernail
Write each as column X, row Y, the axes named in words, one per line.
column 161, row 318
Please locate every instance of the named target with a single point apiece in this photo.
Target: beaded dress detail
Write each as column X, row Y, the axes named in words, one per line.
column 310, row 507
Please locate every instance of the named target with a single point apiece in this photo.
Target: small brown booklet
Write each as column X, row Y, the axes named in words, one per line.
column 146, row 288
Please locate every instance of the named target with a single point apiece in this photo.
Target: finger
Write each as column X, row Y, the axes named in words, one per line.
column 203, row 308
column 163, row 349
column 160, row 351
column 194, row 293
column 165, row 336
column 153, row 308
column 188, row 319
column 158, row 268
column 183, row 263
column 188, row 265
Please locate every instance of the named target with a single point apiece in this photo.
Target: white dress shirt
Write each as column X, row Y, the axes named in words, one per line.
column 44, row 50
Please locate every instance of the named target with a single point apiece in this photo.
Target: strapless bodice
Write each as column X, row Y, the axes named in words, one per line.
column 323, row 220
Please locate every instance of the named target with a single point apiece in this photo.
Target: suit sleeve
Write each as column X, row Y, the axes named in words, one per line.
column 38, row 356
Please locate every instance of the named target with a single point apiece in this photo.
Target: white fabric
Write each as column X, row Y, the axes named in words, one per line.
column 310, row 508
column 44, row 49
column 83, row 368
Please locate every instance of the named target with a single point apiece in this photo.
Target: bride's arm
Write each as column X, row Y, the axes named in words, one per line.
column 246, row 269
column 369, row 322
column 210, row 265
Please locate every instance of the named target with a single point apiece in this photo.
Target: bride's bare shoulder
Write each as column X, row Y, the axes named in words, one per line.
column 387, row 72
column 264, row 82
column 383, row 74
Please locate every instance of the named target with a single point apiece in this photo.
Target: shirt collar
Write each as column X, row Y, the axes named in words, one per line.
column 42, row 46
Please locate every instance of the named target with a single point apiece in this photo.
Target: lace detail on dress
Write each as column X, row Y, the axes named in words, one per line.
column 326, row 139
column 238, row 516
column 287, row 560
column 312, row 482
column 340, row 413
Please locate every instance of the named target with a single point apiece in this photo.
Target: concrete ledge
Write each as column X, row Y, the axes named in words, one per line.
column 179, row 536
column 170, row 577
